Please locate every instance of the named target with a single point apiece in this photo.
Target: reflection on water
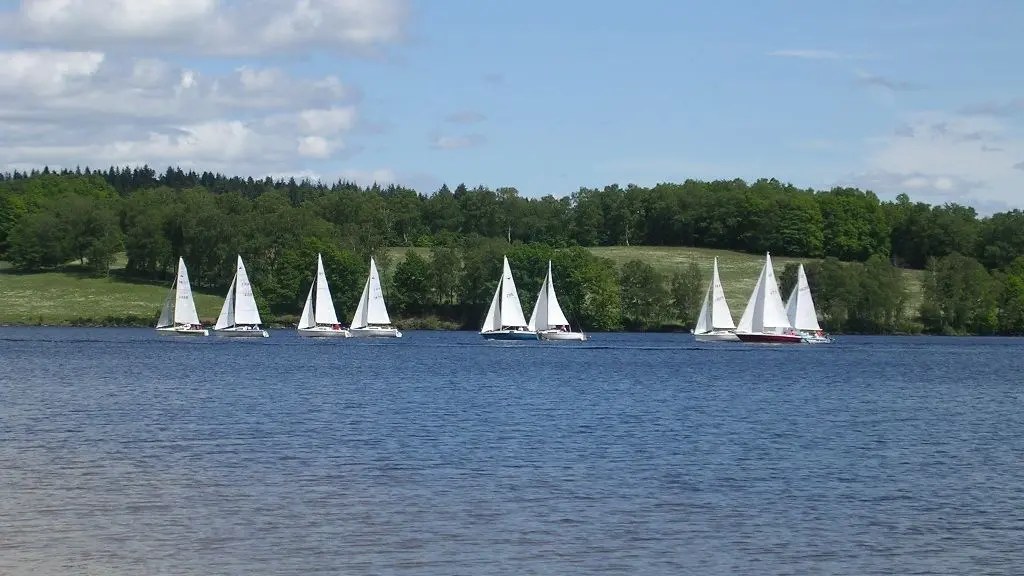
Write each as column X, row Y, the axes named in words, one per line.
column 440, row 454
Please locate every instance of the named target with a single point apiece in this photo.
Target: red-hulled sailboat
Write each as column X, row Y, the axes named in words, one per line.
column 764, row 320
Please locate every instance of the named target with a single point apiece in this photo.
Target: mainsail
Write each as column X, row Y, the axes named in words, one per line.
column 319, row 307
column 546, row 312
column 179, row 308
column 371, row 310
column 240, row 305
column 765, row 312
column 714, row 312
column 800, row 306
column 505, row 309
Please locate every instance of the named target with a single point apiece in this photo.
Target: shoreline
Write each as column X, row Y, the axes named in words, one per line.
column 412, row 325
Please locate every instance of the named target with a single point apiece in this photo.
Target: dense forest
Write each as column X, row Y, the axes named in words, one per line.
column 974, row 280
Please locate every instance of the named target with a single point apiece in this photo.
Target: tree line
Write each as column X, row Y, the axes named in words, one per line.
column 973, row 280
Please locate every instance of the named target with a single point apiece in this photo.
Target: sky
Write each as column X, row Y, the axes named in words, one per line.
column 894, row 96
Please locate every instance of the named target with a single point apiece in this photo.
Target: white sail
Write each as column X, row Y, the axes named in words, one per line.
column 246, row 311
column 800, row 306
column 511, row 308
column 371, row 309
column 324, row 310
column 307, row 320
column 359, row 318
column 539, row 317
column 184, row 306
column 704, row 321
column 227, row 311
column 376, row 309
column 721, row 316
column 555, row 315
column 547, row 313
column 765, row 312
column 492, row 322
column 167, row 312
column 714, row 311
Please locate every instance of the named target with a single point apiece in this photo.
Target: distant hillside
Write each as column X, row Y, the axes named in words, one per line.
column 72, row 296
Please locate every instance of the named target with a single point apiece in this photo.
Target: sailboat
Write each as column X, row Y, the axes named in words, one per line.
column 714, row 324
column 548, row 320
column 505, row 319
column 371, row 318
column 764, row 319
column 239, row 316
column 178, row 316
column 800, row 311
column 318, row 317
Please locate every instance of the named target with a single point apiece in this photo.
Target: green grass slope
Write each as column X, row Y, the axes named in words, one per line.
column 61, row 298
column 738, row 270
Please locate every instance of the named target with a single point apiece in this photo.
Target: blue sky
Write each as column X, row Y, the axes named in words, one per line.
column 895, row 96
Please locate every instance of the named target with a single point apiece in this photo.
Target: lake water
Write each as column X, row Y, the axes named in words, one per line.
column 122, row 452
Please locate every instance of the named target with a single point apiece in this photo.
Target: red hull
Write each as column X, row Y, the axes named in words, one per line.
column 771, row 338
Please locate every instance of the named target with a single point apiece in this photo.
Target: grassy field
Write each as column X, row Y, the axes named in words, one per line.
column 738, row 270
column 56, row 298
column 60, row 298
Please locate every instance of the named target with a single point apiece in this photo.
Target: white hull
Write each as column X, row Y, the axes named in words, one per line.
column 560, row 335
column 815, row 339
column 717, row 336
column 238, row 332
column 182, row 331
column 324, row 332
column 375, row 332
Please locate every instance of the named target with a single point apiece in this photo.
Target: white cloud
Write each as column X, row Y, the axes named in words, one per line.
column 328, row 121
column 206, row 26
column 102, row 82
column 943, row 157
column 45, row 72
column 457, row 142
column 84, row 108
column 316, row 147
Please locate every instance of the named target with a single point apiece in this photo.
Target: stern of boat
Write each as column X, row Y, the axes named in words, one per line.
column 558, row 335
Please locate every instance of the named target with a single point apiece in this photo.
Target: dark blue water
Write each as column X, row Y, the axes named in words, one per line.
column 126, row 453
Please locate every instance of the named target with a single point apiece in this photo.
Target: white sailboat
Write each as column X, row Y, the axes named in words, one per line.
column 179, row 316
column 371, row 318
column 714, row 324
column 764, row 319
column 505, row 319
column 318, row 316
column 801, row 313
column 239, row 317
column 548, row 320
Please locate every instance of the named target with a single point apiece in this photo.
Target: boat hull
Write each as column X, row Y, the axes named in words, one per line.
column 558, row 335
column 181, row 331
column 771, row 338
column 717, row 336
column 323, row 332
column 509, row 335
column 242, row 333
column 815, row 339
column 375, row 332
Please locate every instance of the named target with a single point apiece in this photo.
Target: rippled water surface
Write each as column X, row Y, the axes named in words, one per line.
column 126, row 453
